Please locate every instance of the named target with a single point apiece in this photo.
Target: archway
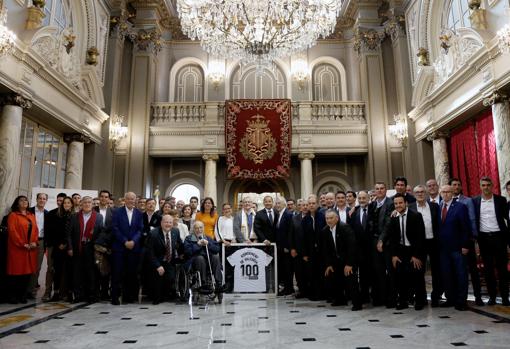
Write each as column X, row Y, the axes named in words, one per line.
column 256, row 190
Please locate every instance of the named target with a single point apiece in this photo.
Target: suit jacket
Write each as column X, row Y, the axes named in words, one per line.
column 454, row 232
column 435, row 215
column 343, row 252
column 238, row 220
column 123, row 231
column 297, row 240
column 284, row 230
column 74, row 233
column 500, row 207
column 380, row 217
column 263, row 227
column 155, row 222
column 311, row 231
column 415, row 233
column 362, row 230
column 105, row 238
column 156, row 246
column 471, row 212
column 108, row 219
column 47, row 227
column 439, row 203
column 347, row 209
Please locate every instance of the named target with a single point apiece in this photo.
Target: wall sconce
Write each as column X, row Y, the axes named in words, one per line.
column 504, row 39
column 300, row 73
column 117, row 131
column 7, row 37
column 215, row 78
column 399, row 129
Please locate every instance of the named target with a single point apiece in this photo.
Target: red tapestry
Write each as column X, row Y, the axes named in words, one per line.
column 258, row 138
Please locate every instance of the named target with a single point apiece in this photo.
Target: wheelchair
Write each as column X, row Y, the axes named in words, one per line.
column 189, row 283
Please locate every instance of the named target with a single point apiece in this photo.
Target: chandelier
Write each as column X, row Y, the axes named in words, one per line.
column 7, row 37
column 257, row 31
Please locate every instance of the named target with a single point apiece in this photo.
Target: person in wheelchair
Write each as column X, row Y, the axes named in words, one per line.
column 164, row 248
column 195, row 252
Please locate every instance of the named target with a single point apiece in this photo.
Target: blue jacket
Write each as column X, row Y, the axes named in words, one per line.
column 455, row 231
column 193, row 249
column 123, row 231
column 471, row 211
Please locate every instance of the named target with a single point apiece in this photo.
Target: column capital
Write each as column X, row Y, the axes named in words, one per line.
column 368, row 41
column 395, row 27
column 437, row 135
column 210, row 157
column 306, row 156
column 497, row 96
column 147, row 40
column 15, row 99
column 76, row 137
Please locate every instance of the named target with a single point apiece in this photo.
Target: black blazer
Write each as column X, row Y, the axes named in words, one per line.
column 155, row 222
column 380, row 218
column 362, row 231
column 501, row 208
column 297, row 241
column 312, row 231
column 73, row 232
column 435, row 215
column 344, row 251
column 284, row 231
column 105, row 237
column 263, row 227
column 415, row 232
column 157, row 249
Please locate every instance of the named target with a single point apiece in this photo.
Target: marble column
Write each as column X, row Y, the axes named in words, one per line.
column 74, row 166
column 501, row 118
column 441, row 163
column 306, row 174
column 210, row 184
column 10, row 130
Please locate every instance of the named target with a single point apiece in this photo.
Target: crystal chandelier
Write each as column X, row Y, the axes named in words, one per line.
column 117, row 131
column 399, row 129
column 6, row 36
column 257, row 31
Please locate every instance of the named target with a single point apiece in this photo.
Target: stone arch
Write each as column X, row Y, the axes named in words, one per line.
column 331, row 179
column 175, row 69
column 338, row 66
column 178, row 182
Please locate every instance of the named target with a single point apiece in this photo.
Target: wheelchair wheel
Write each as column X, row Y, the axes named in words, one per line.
column 181, row 284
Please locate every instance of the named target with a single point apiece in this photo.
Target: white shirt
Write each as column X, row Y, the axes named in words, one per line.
column 249, row 269
column 436, row 199
column 488, row 220
column 427, row 219
column 280, row 215
column 86, row 217
column 183, row 230
column 39, row 219
column 102, row 211
column 342, row 213
column 129, row 214
column 333, row 233
column 402, row 221
column 225, row 228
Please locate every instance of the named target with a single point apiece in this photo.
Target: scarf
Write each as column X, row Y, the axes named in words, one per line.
column 244, row 223
column 86, row 232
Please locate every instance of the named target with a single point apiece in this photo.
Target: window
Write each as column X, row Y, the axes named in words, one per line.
column 185, row 192
column 190, row 84
column 42, row 158
column 458, row 15
column 326, row 83
column 56, row 15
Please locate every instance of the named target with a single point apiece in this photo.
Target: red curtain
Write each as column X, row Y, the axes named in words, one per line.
column 473, row 153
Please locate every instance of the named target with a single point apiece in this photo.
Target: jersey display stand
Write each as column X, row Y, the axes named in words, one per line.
column 250, row 268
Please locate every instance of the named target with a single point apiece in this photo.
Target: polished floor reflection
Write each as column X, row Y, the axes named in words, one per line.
column 248, row 321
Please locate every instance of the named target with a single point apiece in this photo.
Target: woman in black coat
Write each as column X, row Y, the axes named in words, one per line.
column 62, row 279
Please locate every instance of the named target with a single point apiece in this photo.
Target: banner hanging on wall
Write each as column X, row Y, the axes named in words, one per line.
column 258, row 138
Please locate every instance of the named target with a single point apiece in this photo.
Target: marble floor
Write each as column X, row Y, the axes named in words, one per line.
column 248, row 321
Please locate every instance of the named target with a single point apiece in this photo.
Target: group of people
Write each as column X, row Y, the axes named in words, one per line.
column 363, row 247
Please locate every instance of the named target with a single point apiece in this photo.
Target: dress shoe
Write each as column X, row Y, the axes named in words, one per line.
column 401, row 306
column 505, row 302
column 461, row 307
column 479, row 302
column 356, row 307
column 115, row 302
column 492, row 301
column 418, row 307
column 446, row 305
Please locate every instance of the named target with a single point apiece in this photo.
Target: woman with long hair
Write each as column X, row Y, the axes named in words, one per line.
column 186, row 216
column 22, row 249
column 60, row 257
column 208, row 216
column 224, row 230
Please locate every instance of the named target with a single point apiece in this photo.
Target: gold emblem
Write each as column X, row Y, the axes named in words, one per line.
column 258, row 143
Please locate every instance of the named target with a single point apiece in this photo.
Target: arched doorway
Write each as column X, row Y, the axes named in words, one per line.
column 257, row 190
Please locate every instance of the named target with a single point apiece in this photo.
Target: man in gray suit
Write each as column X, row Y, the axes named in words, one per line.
column 243, row 222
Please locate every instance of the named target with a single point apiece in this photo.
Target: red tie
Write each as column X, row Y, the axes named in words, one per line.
column 444, row 211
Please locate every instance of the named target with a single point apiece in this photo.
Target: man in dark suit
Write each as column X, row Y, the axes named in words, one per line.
column 492, row 222
column 341, row 206
column 382, row 207
column 297, row 248
column 454, row 235
column 265, row 221
column 431, row 215
column 360, row 223
column 471, row 257
column 127, row 227
column 338, row 248
column 284, row 232
column 151, row 220
column 433, row 192
column 312, row 224
column 400, row 186
column 406, row 240
column 43, row 226
column 104, row 243
column 84, row 228
column 164, row 246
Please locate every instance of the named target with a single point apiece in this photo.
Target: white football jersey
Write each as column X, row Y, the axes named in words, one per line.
column 249, row 269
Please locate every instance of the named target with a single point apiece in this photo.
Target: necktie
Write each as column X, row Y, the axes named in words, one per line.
column 270, row 215
column 250, row 223
column 168, row 248
column 444, row 211
column 364, row 218
column 403, row 229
